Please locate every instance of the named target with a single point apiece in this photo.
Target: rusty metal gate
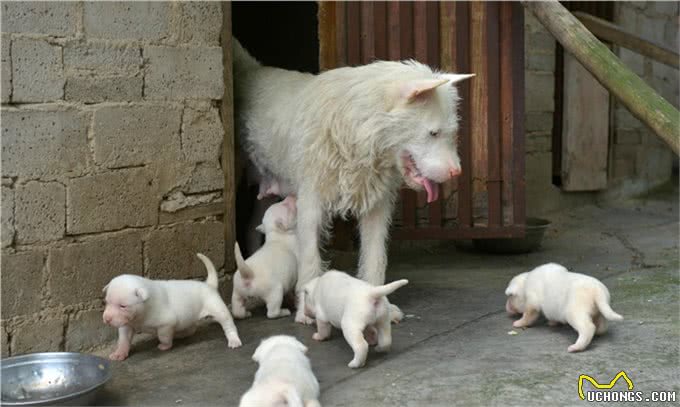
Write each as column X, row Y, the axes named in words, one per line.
column 487, row 200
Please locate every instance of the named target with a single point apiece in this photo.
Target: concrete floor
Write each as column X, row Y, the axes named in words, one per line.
column 454, row 347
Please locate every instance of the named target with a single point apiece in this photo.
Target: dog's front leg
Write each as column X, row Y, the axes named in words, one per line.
column 373, row 227
column 310, row 222
column 125, row 334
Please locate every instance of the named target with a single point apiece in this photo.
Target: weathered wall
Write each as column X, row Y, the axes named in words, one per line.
column 111, row 142
column 639, row 161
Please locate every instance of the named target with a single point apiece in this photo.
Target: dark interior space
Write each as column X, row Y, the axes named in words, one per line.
column 280, row 34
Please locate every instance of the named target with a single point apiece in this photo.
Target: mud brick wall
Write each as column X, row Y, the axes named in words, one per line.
column 639, row 160
column 111, row 145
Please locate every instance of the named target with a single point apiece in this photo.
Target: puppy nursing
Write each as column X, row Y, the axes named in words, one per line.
column 284, row 377
column 563, row 297
column 271, row 272
column 167, row 308
column 339, row 300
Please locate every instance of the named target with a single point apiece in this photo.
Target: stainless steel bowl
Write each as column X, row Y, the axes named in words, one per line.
column 53, row 378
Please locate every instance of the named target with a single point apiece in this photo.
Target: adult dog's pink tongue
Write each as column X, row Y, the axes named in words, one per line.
column 432, row 189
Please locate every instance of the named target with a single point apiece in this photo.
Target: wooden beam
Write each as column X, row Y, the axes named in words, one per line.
column 609, row 32
column 641, row 100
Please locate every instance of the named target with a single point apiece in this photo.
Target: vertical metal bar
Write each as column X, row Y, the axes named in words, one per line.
column 519, row 209
column 462, row 58
column 353, row 33
column 367, row 32
column 493, row 182
column 506, row 52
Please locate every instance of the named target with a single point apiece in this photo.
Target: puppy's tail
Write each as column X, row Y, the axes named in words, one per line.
column 602, row 302
column 212, row 273
column 243, row 61
column 243, row 268
column 387, row 289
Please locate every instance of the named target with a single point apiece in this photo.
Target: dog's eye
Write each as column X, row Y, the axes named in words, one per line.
column 122, row 306
column 434, row 133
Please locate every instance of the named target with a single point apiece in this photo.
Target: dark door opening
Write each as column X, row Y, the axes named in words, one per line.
column 279, row 34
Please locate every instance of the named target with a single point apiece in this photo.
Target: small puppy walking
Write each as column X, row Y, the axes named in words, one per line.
column 271, row 272
column 339, row 300
column 167, row 308
column 285, row 376
column 564, row 297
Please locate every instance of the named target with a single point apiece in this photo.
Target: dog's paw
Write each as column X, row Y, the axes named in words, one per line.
column 317, row 337
column 573, row 348
column 164, row 346
column 354, row 364
column 382, row 349
column 118, row 355
column 242, row 315
column 233, row 341
column 371, row 335
column 304, row 319
column 282, row 313
column 518, row 324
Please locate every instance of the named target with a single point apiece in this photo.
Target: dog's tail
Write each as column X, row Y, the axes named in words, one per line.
column 387, row 289
column 243, row 61
column 212, row 273
column 602, row 301
column 243, row 268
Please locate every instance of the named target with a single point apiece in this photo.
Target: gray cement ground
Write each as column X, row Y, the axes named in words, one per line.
column 454, row 347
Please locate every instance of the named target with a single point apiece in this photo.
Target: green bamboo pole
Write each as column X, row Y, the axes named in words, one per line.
column 641, row 100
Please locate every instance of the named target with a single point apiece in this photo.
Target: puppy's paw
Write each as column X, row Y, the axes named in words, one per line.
column 119, row 355
column 383, row 349
column 233, row 341
column 164, row 346
column 282, row 313
column 518, row 324
column 354, row 364
column 304, row 319
column 573, row 348
column 241, row 315
column 317, row 337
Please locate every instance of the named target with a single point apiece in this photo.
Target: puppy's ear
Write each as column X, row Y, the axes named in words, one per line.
column 142, row 293
column 260, row 228
column 106, row 287
column 280, row 226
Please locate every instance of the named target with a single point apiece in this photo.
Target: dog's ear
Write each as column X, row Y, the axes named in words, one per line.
column 410, row 91
column 260, row 228
column 106, row 287
column 455, row 77
column 142, row 293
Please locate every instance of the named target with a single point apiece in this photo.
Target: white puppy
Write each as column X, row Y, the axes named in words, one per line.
column 167, row 308
column 285, row 376
column 270, row 272
column 339, row 300
column 573, row 298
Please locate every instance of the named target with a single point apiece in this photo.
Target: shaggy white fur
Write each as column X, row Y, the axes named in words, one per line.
column 168, row 308
column 271, row 272
column 285, row 376
column 345, row 140
column 358, row 308
column 576, row 299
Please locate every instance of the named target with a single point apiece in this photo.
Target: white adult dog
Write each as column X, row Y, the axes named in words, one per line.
column 285, row 376
column 339, row 300
column 167, row 308
column 576, row 299
column 271, row 272
column 345, row 140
